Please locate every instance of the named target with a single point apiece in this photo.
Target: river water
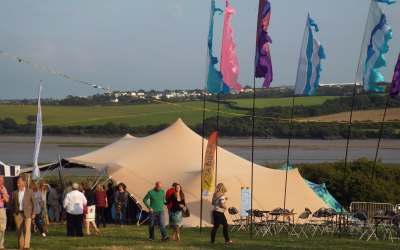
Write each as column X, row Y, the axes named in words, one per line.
column 18, row 150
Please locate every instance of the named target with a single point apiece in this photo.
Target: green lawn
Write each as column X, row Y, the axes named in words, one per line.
column 145, row 114
column 136, row 237
column 133, row 115
column 268, row 102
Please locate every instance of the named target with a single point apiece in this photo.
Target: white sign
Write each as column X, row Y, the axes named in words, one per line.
column 246, row 202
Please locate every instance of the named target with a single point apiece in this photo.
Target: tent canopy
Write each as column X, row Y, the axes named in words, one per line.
column 175, row 155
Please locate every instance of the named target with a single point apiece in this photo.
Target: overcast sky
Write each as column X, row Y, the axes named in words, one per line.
column 161, row 44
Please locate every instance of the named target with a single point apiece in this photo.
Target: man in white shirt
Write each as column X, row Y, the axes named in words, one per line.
column 73, row 204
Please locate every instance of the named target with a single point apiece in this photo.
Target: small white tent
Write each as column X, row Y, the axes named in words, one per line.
column 174, row 155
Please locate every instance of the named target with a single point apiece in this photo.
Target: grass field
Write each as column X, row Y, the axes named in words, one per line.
column 268, row 102
column 133, row 115
column 136, row 237
column 137, row 115
column 154, row 114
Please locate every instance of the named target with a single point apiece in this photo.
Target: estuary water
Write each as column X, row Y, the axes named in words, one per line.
column 18, row 150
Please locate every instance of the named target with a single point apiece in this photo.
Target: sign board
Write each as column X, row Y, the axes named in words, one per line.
column 245, row 204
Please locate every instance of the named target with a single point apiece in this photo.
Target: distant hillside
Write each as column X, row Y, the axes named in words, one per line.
column 375, row 115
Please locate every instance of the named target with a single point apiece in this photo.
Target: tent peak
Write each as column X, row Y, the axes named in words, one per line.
column 128, row 136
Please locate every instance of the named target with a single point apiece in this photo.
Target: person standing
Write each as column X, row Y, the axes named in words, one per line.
column 156, row 210
column 73, row 204
column 219, row 201
column 44, row 189
column 170, row 192
column 101, row 205
column 23, row 207
column 177, row 200
column 4, row 197
column 121, row 202
column 38, row 199
column 91, row 209
column 110, row 200
column 53, row 201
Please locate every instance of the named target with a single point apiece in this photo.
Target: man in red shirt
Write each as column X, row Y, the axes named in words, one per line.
column 170, row 192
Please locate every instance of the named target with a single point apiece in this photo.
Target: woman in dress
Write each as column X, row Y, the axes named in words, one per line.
column 178, row 203
column 219, row 201
column 38, row 198
column 44, row 189
column 91, row 207
column 121, row 202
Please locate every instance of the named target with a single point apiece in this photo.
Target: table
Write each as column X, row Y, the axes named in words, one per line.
column 286, row 217
column 379, row 219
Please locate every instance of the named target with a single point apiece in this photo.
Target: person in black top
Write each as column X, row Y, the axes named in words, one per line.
column 91, row 207
column 178, row 203
column 110, row 199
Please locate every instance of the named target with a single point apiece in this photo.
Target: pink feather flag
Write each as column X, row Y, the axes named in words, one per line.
column 229, row 61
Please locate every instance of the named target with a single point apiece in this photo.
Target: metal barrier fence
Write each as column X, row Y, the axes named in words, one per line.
column 371, row 208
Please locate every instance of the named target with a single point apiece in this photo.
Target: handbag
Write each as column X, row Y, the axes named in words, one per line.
column 185, row 212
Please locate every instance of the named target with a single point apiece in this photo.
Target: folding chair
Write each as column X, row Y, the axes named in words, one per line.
column 358, row 223
column 370, row 228
column 237, row 220
column 394, row 233
column 321, row 221
column 262, row 224
column 299, row 227
column 279, row 225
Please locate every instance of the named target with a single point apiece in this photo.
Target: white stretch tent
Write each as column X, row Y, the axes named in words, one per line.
column 174, row 155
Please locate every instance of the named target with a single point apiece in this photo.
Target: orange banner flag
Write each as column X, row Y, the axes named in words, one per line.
column 209, row 164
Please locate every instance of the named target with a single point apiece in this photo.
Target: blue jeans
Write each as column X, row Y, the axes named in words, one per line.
column 161, row 224
column 121, row 216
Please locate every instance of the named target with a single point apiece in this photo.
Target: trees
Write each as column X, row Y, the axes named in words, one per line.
column 357, row 186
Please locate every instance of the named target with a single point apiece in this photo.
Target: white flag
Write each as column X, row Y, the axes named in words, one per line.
column 38, row 138
column 309, row 68
column 375, row 44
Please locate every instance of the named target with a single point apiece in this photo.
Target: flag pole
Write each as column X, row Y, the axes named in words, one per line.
column 349, row 127
column 288, row 151
column 347, row 148
column 262, row 68
column 252, row 157
column 216, row 142
column 377, row 148
column 202, row 160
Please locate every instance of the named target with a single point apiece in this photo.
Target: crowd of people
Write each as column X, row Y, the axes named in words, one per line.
column 35, row 205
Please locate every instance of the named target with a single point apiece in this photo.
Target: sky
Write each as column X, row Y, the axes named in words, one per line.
column 162, row 44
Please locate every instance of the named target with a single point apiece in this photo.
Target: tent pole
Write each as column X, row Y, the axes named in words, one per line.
column 288, row 150
column 106, row 180
column 47, row 170
column 252, row 157
column 216, row 142
column 377, row 148
column 202, row 160
column 61, row 174
column 98, row 180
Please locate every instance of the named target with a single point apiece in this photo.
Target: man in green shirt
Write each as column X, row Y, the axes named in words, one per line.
column 156, row 210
